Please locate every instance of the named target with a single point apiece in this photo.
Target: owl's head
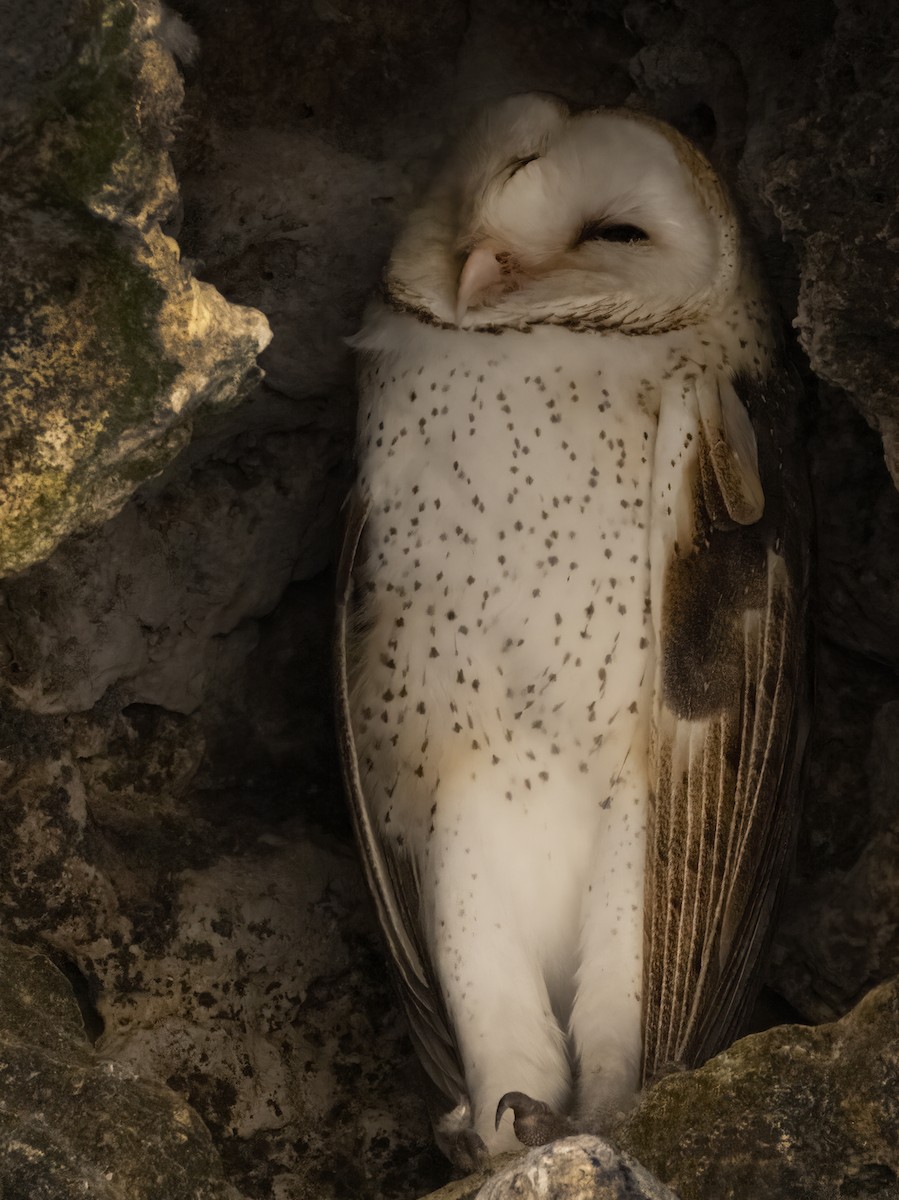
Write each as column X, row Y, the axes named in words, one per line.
column 595, row 219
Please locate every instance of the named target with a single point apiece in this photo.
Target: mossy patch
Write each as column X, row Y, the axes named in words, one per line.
column 82, row 367
column 794, row 1112
column 85, row 119
column 99, row 319
column 89, row 113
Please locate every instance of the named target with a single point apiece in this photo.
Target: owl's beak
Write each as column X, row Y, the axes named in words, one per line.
column 489, row 267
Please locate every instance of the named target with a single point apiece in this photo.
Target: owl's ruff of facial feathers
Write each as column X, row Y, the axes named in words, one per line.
column 528, row 177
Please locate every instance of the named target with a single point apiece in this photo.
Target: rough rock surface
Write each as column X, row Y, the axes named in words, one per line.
column 846, row 232
column 161, row 573
column 220, row 946
column 793, row 1112
column 575, row 1168
column 110, row 344
column 73, row 1123
column 172, row 830
column 839, row 933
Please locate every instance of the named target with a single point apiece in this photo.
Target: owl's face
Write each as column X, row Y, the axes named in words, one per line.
column 597, row 219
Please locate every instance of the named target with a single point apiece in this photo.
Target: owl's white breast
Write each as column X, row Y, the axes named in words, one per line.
column 509, row 479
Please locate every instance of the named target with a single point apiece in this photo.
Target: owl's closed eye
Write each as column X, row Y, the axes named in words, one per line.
column 599, row 219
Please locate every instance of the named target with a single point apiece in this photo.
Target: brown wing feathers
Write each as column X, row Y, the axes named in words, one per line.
column 726, row 736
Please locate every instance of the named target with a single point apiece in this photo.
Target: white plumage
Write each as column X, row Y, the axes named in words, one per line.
column 551, row 448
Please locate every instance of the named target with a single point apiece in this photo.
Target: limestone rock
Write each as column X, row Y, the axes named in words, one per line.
column 798, row 1113
column 582, row 1167
column 575, row 1168
column 224, row 949
column 72, row 1123
column 172, row 829
column 110, row 346
column 839, row 929
column 838, row 932
column 166, row 595
column 833, row 191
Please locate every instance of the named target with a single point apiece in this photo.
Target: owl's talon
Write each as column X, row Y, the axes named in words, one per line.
column 534, row 1121
column 517, row 1101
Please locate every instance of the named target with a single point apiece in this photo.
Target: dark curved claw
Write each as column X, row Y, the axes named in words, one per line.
column 534, row 1123
column 519, row 1102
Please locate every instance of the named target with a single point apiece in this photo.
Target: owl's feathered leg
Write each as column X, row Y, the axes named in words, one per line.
column 493, row 904
column 606, row 1018
column 499, row 1004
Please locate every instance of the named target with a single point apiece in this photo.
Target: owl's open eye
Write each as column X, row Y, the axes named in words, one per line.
column 597, row 231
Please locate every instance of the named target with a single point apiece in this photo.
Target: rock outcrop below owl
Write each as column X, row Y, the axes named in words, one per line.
column 571, row 607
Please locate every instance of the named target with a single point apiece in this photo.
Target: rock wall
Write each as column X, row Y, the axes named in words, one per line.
column 171, row 827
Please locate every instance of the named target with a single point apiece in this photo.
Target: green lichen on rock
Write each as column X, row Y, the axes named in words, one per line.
column 104, row 113
column 81, row 366
column 73, row 1124
column 108, row 344
column 796, row 1113
column 87, row 118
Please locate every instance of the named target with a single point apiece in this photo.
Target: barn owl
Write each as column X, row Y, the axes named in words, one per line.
column 569, row 628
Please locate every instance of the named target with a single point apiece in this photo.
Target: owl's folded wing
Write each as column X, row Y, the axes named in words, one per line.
column 728, row 595
column 390, row 877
